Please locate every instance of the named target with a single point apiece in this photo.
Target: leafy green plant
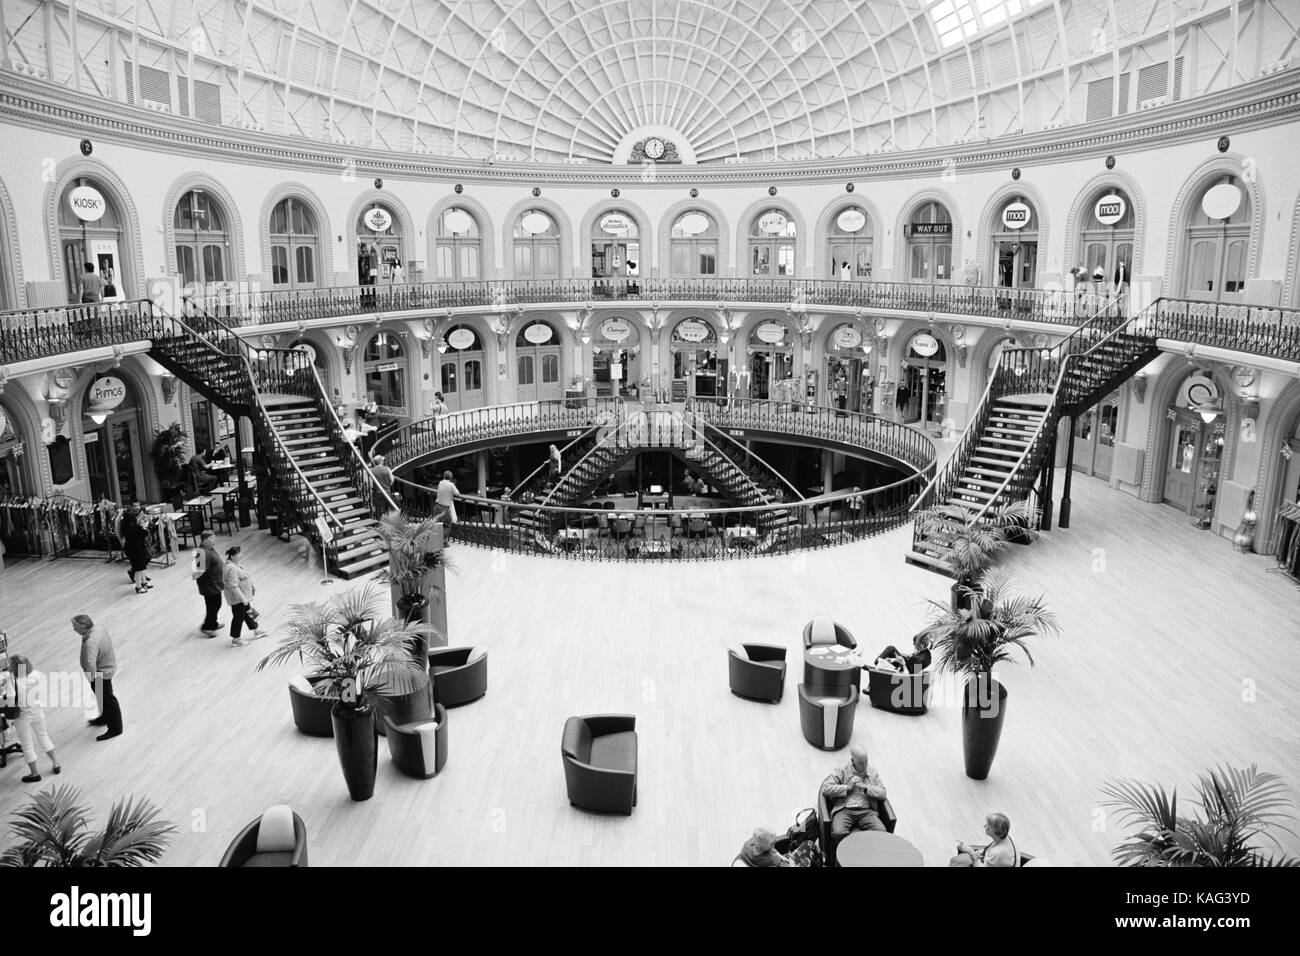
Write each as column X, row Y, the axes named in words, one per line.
column 53, row 830
column 1238, row 807
column 170, row 457
column 971, row 640
column 972, row 544
column 408, row 544
column 352, row 652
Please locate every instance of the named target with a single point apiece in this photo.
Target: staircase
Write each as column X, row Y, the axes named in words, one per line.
column 305, row 468
column 1010, row 442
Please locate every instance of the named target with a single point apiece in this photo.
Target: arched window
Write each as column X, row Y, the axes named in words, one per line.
column 461, row 368
column 379, row 246
column 295, row 244
column 615, row 246
column 99, row 239
column 202, row 237
column 537, row 362
column 1217, row 242
column 693, row 245
column 1106, row 237
column 383, row 367
column 1015, row 245
column 772, row 243
column 459, row 245
column 929, row 243
column 536, row 246
column 851, row 244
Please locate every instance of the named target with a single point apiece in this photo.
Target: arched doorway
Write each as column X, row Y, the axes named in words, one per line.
column 111, row 430
column 1015, row 245
column 1197, row 438
column 537, row 363
column 14, row 476
column 383, row 368
column 1217, row 242
column 772, row 243
column 697, row 361
column 201, row 233
column 461, row 368
column 771, row 363
column 459, row 246
column 849, row 382
column 380, row 246
column 615, row 253
column 536, row 253
column 922, row 393
column 693, row 245
column 851, row 242
column 318, row 358
column 92, row 231
column 615, row 357
column 1106, row 239
column 929, row 243
column 295, row 245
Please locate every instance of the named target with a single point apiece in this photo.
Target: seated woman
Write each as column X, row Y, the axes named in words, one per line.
column 1000, row 852
column 891, row 658
column 760, row 850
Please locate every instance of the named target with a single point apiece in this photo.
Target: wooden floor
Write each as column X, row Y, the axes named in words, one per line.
column 1177, row 654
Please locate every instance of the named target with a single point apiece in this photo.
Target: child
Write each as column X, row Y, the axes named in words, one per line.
column 30, row 725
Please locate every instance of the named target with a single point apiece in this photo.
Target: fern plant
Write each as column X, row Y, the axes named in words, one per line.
column 53, row 830
column 1238, row 808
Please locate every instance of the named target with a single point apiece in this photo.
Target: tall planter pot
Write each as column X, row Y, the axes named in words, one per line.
column 413, row 609
column 982, row 713
column 960, row 599
column 356, row 741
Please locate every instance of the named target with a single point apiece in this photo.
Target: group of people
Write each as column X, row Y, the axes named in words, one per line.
column 201, row 477
column 855, row 795
column 226, row 577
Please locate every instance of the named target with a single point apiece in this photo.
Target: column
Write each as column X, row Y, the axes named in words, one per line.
column 481, row 465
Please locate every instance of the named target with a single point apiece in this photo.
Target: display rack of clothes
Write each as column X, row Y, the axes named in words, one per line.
column 21, row 527
column 1286, row 539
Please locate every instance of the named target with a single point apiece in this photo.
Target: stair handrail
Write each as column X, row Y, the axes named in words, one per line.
column 1052, row 415
column 728, row 459
column 601, row 441
column 540, row 468
column 731, row 438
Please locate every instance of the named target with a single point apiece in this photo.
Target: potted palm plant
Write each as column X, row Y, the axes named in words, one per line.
column 53, row 830
column 969, row 641
column 357, row 659
column 1237, row 807
column 416, row 559
column 972, row 544
column 169, row 460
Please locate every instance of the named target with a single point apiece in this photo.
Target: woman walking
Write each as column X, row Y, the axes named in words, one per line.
column 135, row 543
column 239, row 594
column 30, row 723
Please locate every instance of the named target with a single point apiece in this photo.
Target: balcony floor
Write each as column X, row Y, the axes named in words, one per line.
column 1177, row 655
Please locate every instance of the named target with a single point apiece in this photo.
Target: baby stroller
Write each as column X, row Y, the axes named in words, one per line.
column 8, row 705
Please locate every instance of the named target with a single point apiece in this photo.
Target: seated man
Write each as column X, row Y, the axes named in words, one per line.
column 893, row 659
column 854, row 794
column 201, row 480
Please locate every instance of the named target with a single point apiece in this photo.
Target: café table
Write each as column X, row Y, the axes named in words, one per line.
column 876, row 848
column 831, row 668
column 203, row 503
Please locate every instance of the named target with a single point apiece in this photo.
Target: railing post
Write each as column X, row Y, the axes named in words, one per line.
column 1064, row 521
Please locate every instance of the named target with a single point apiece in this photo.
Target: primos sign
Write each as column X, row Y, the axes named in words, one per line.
column 107, row 392
column 87, row 204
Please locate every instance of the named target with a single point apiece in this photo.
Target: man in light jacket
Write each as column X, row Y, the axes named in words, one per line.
column 99, row 664
column 855, row 793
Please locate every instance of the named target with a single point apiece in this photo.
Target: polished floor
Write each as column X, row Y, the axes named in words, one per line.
column 1177, row 654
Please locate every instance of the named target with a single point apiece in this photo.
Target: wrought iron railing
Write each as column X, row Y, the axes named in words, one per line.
column 1253, row 329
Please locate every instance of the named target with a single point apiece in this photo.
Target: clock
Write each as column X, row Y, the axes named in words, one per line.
column 654, row 147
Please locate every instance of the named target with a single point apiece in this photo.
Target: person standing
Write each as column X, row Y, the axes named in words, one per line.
column 135, row 545
column 846, row 274
column 92, row 285
column 99, row 664
column 438, row 407
column 557, row 462
column 239, row 590
column 446, row 500
column 209, row 575
column 30, row 723
column 383, row 474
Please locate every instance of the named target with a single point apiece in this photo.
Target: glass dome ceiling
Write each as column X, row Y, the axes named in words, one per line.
column 584, row 81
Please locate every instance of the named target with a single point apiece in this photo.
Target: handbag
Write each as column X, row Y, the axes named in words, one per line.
column 251, row 618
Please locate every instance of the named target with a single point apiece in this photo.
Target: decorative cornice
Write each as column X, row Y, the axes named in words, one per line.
column 9, row 236
column 1264, row 102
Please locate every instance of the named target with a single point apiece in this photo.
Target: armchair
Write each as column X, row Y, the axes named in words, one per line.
column 902, row 693
column 420, row 748
column 275, row 839
column 826, row 715
column 757, row 671
column 600, row 755
column 311, row 714
column 408, row 708
column 459, row 674
column 885, row 811
column 823, row 631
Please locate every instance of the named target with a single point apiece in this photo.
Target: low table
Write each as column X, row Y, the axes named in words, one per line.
column 830, row 667
column 876, row 848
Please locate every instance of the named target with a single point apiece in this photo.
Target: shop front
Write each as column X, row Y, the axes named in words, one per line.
column 111, row 427
column 772, row 236
column 461, row 369
column 383, row 369
column 91, row 232
column 537, row 363
column 615, row 358
column 379, row 247
column 615, row 255
column 922, row 394
column 1015, row 245
column 851, row 245
column 698, row 369
column 1095, row 436
column 1197, row 435
column 928, row 232
column 771, row 363
column 849, row 382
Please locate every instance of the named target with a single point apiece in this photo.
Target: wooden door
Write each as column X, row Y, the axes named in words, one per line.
column 1180, row 461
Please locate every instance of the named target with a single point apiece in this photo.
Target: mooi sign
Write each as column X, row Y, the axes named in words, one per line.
column 106, row 392
column 87, row 204
column 615, row 330
column 378, row 219
column 1015, row 216
column 1110, row 209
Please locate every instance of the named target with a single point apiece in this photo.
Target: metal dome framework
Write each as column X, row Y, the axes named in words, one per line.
column 558, row 81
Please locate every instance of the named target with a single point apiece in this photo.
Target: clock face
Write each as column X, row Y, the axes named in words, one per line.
column 654, row 147
column 1245, row 377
